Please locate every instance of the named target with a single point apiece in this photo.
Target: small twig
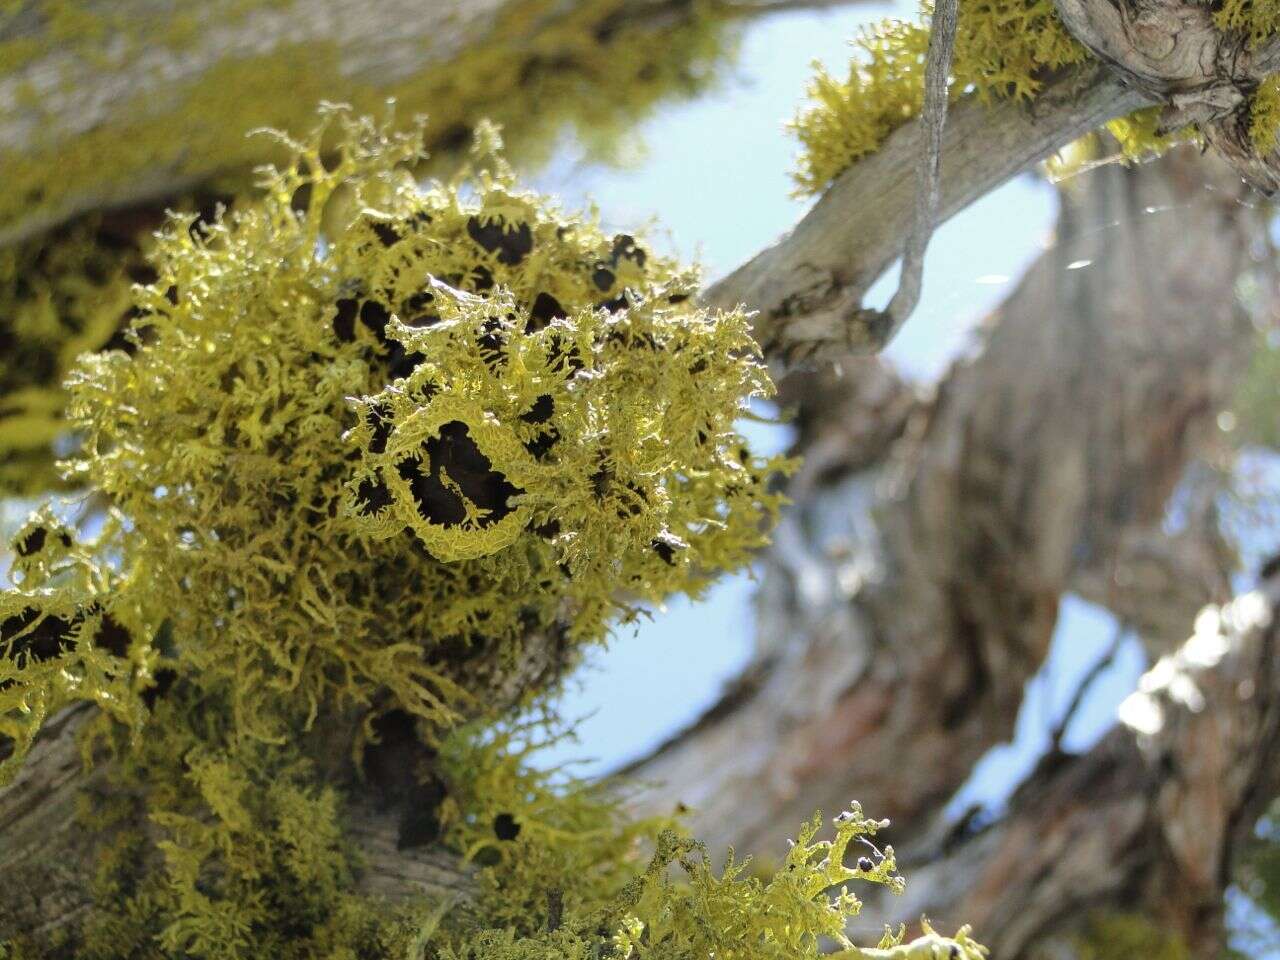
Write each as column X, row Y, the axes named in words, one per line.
column 1087, row 681
column 882, row 325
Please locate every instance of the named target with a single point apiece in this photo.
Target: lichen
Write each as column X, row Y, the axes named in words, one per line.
column 59, row 295
column 551, row 420
column 389, row 450
column 369, row 439
column 1256, row 19
column 546, row 895
column 1002, row 50
column 1264, row 115
column 1140, row 135
column 540, row 70
column 1115, row 936
column 65, row 636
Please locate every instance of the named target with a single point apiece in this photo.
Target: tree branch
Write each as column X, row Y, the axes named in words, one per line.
column 933, row 119
column 809, row 286
column 153, row 99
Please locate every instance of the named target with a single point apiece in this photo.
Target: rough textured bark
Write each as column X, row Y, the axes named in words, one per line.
column 914, row 588
column 1150, row 820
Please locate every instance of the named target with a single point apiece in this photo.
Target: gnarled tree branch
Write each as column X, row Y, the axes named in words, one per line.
column 809, row 286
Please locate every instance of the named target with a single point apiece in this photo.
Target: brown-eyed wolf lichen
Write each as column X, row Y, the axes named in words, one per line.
column 370, row 437
column 369, row 440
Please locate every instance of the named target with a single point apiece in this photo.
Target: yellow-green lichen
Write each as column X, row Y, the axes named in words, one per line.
column 540, row 69
column 336, row 397
column 541, row 898
column 360, row 459
column 1120, row 936
column 1264, row 115
column 1256, row 19
column 845, row 120
column 1002, row 50
column 61, row 294
column 216, row 847
column 1139, row 134
column 66, row 635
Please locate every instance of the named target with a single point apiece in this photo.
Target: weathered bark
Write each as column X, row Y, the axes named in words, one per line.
column 1150, row 821
column 1173, row 51
column 914, row 588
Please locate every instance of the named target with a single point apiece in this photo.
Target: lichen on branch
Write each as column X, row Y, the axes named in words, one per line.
column 591, row 67
column 370, row 448
column 1008, row 49
column 1002, row 49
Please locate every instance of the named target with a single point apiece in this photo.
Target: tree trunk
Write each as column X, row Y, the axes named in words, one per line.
column 137, row 102
column 913, row 589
